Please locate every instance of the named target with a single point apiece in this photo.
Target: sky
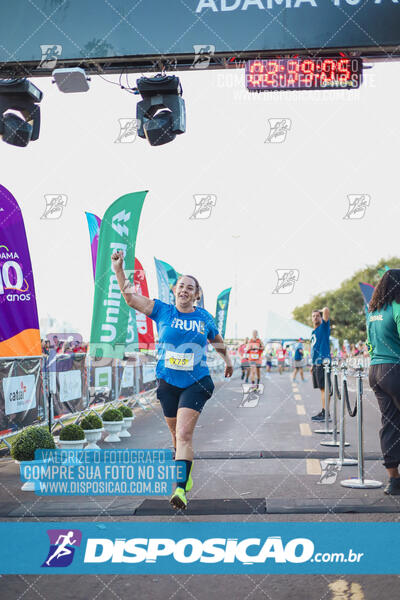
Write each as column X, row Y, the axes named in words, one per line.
column 279, row 206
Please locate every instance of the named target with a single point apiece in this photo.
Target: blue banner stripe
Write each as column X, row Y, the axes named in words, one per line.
column 208, row 548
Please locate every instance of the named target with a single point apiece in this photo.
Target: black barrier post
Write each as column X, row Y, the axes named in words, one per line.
column 342, row 460
column 360, row 482
column 334, row 441
column 326, row 431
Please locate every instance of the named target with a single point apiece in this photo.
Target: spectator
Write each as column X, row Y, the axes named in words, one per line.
column 244, row 361
column 298, row 361
column 383, row 328
column 320, row 350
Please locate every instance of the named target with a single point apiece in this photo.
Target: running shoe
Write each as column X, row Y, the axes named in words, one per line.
column 189, row 483
column 319, row 417
column 393, row 487
column 178, row 499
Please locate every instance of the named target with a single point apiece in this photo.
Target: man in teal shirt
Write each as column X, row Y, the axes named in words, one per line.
column 383, row 328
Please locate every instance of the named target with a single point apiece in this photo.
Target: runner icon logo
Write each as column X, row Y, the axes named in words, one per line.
column 62, row 547
column 286, row 281
column 128, row 128
column 55, row 204
column 203, row 205
column 278, row 130
column 50, row 54
column 202, row 56
column 358, row 204
column 251, row 394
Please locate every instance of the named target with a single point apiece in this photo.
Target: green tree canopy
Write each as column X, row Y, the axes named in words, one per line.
column 346, row 303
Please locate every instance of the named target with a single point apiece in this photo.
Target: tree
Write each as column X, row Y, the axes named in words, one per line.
column 346, row 303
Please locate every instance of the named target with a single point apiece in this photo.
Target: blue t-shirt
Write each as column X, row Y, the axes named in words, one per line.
column 182, row 343
column 298, row 354
column 320, row 347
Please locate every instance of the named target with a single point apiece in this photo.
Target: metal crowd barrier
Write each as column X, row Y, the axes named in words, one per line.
column 140, row 393
column 358, row 367
column 328, row 394
column 360, row 481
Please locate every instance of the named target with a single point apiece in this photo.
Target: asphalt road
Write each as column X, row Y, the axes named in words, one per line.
column 255, row 461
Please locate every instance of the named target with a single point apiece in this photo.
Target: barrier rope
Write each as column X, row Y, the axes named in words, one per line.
column 352, row 413
column 336, row 384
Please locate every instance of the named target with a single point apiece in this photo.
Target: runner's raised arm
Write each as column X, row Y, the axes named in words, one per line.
column 138, row 302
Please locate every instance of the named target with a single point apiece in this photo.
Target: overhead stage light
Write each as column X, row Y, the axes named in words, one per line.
column 161, row 114
column 71, row 80
column 19, row 96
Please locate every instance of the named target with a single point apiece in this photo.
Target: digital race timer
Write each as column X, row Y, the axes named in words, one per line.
column 303, row 74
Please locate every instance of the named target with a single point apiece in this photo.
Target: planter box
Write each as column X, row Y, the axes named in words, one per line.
column 71, row 444
column 92, row 436
column 113, row 428
column 126, row 425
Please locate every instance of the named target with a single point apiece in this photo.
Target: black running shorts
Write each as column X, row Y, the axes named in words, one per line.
column 318, row 377
column 195, row 396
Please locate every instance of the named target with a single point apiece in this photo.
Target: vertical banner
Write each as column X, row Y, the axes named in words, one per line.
column 94, row 223
column 144, row 323
column 367, row 290
column 110, row 319
column 166, row 278
column 19, row 323
column 140, row 335
column 162, row 280
column 201, row 301
column 221, row 312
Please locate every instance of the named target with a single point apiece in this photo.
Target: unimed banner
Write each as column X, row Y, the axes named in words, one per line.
column 67, row 383
column 110, row 312
column 19, row 323
column 221, row 312
column 21, row 393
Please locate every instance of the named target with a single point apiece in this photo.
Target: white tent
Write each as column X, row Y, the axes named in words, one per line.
column 280, row 328
column 283, row 329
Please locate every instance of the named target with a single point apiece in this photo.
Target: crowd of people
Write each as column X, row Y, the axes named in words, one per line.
column 63, row 346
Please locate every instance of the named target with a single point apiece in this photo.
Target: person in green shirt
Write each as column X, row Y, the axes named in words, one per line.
column 383, row 329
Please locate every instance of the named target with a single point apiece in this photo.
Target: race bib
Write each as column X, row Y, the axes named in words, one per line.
column 254, row 355
column 179, row 361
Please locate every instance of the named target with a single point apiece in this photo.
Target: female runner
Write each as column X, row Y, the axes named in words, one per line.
column 183, row 378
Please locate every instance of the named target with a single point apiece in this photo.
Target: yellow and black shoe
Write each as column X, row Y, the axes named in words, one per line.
column 178, row 499
column 189, row 483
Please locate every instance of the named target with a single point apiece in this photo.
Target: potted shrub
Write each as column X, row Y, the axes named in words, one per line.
column 72, row 437
column 128, row 416
column 24, row 445
column 92, row 426
column 112, row 421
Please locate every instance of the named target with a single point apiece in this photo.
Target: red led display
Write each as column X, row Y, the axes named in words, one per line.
column 303, row 74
